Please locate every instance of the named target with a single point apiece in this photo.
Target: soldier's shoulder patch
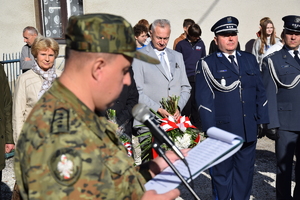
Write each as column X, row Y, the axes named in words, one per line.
column 65, row 166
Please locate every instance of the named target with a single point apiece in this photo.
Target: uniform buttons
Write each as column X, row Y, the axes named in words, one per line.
column 243, row 101
column 0, row 119
column 240, row 76
column 244, row 115
column 169, row 88
column 241, row 88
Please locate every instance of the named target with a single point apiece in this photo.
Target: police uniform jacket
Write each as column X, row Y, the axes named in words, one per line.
column 280, row 71
column 229, row 100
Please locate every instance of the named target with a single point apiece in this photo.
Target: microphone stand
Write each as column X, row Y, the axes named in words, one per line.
column 160, row 151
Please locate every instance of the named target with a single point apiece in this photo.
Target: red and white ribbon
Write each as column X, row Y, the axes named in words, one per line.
column 182, row 123
column 128, row 147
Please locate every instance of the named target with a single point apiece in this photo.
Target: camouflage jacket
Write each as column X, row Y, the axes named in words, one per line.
column 65, row 151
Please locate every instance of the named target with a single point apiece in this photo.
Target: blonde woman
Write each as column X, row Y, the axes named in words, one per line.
column 31, row 85
column 266, row 39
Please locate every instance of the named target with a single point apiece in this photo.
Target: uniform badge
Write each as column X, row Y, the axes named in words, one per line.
column 284, row 66
column 219, row 54
column 229, row 20
column 65, row 166
column 222, row 70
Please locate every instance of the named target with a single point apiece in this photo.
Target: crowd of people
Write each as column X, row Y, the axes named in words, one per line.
column 67, row 148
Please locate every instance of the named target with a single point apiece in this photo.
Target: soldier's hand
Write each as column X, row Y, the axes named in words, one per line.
column 158, row 164
column 272, row 133
column 151, row 194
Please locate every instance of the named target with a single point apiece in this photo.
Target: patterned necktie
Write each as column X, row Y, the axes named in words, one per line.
column 164, row 64
column 236, row 67
column 296, row 56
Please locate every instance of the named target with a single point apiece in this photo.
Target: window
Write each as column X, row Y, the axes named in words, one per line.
column 55, row 15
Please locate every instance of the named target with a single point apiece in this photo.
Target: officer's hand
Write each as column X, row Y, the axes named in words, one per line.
column 151, row 194
column 272, row 133
column 261, row 130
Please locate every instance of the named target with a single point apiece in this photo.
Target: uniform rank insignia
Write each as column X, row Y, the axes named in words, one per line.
column 219, row 54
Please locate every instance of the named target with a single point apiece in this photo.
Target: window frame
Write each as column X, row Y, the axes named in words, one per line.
column 63, row 20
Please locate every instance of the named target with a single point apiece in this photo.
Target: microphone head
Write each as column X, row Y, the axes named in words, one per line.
column 141, row 112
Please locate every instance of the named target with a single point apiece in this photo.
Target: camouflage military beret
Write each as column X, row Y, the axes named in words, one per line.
column 104, row 33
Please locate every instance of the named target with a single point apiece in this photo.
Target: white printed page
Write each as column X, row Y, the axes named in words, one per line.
column 206, row 154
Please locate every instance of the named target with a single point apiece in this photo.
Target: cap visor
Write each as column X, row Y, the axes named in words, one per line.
column 142, row 56
column 292, row 30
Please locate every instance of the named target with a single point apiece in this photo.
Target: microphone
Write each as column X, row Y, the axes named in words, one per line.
column 142, row 113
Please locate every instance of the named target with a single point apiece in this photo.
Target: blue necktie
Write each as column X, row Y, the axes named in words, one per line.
column 164, row 64
column 236, row 67
column 296, row 56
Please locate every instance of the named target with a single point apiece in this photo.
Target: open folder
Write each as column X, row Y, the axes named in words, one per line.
column 219, row 146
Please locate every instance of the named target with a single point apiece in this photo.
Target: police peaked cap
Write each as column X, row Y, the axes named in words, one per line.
column 226, row 24
column 292, row 23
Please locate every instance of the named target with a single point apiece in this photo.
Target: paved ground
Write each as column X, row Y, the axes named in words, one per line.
column 263, row 183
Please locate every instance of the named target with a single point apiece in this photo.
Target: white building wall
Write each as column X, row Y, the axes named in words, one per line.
column 17, row 14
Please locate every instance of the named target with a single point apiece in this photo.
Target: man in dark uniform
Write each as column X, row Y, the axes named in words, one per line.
column 230, row 95
column 281, row 72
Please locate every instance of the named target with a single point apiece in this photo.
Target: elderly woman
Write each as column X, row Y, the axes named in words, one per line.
column 31, row 85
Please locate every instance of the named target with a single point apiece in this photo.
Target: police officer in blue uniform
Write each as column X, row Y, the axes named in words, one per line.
column 230, row 95
column 281, row 76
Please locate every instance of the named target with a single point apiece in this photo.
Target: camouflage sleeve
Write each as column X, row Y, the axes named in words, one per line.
column 73, row 164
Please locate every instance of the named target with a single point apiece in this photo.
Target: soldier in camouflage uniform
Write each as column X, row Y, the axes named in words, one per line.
column 66, row 151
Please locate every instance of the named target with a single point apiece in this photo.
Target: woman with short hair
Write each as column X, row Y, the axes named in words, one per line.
column 31, row 85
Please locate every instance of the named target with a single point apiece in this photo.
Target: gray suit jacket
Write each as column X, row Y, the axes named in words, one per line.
column 26, row 52
column 152, row 83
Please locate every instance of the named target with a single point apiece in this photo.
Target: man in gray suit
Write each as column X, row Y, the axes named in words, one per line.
column 155, row 82
column 168, row 78
column 27, row 59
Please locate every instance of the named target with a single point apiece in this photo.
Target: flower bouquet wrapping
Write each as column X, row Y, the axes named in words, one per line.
column 180, row 131
column 124, row 138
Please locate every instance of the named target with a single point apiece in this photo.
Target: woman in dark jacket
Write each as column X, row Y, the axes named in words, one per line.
column 6, row 134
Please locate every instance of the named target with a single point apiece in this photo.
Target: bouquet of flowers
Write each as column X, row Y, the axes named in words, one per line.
column 181, row 132
column 125, row 139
